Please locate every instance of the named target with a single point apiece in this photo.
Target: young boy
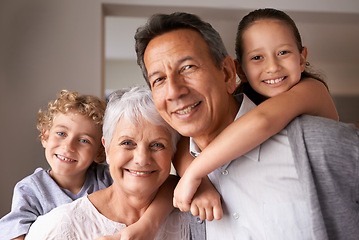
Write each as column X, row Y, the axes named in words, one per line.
column 70, row 132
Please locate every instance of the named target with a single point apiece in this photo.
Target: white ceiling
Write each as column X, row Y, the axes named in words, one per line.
column 331, row 34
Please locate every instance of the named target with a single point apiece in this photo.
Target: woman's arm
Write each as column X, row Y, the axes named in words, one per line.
column 309, row 96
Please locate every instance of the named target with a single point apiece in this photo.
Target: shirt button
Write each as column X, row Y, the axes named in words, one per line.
column 225, row 172
column 235, row 216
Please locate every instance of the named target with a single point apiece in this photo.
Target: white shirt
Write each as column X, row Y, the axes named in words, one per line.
column 80, row 220
column 261, row 194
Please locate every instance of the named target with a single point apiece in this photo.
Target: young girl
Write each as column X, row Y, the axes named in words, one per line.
column 271, row 63
column 70, row 132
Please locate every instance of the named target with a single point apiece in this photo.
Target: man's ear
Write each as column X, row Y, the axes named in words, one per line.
column 229, row 69
column 44, row 138
column 303, row 58
column 240, row 72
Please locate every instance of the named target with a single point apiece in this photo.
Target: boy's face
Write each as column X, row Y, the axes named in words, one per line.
column 71, row 145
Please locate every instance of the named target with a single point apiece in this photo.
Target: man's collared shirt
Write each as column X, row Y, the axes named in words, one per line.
column 261, row 193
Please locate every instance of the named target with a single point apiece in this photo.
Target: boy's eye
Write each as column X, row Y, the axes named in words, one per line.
column 61, row 134
column 84, row 141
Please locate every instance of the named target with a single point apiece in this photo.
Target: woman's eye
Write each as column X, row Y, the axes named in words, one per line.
column 157, row 146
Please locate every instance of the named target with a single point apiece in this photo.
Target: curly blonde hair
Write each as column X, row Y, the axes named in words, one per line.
column 87, row 105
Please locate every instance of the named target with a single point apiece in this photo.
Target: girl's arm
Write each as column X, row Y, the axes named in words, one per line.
column 207, row 202
column 309, row 96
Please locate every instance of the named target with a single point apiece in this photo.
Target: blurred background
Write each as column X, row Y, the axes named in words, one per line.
column 88, row 46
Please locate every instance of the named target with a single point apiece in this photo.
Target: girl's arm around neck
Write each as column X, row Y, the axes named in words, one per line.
column 309, row 96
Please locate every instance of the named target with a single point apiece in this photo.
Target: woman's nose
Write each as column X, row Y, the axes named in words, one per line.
column 142, row 156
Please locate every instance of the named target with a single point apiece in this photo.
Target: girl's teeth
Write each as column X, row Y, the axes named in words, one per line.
column 274, row 80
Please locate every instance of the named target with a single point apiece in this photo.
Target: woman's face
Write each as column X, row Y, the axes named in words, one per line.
column 139, row 157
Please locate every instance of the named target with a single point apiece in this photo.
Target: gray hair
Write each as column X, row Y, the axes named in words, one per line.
column 134, row 104
column 159, row 24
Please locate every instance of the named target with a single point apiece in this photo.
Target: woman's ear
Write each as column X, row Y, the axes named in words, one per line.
column 229, row 69
column 303, row 58
column 240, row 72
column 105, row 151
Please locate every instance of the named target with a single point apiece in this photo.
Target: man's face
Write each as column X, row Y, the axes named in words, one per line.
column 189, row 90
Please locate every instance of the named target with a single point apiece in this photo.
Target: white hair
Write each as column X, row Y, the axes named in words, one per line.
column 134, row 104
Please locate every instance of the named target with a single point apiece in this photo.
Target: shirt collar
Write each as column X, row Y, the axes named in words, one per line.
column 246, row 106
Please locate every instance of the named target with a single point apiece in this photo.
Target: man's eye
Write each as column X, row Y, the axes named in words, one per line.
column 61, row 134
column 157, row 81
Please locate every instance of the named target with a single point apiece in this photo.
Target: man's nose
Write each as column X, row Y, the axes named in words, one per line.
column 176, row 87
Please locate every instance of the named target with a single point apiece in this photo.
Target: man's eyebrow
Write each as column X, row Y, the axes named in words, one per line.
column 178, row 62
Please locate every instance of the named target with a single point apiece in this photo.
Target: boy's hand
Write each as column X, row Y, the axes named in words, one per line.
column 184, row 192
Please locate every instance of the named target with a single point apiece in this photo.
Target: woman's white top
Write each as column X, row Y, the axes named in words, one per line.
column 81, row 220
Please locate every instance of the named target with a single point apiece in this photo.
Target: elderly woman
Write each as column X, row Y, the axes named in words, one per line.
column 139, row 147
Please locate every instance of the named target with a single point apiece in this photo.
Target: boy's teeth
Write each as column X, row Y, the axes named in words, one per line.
column 65, row 158
column 274, row 80
column 187, row 109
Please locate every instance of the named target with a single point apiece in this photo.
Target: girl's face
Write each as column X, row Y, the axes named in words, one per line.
column 139, row 157
column 271, row 61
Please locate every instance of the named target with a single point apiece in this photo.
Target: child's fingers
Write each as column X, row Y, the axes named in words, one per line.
column 194, row 210
column 217, row 212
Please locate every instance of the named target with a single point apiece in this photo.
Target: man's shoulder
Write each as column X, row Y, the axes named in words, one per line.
column 319, row 127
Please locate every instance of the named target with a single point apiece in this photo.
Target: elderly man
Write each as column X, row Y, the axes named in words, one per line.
column 192, row 79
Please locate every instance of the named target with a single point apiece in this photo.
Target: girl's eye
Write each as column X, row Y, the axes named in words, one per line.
column 61, row 134
column 282, row 52
column 256, row 58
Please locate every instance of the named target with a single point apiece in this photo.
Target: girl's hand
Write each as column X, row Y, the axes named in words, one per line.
column 206, row 202
column 184, row 192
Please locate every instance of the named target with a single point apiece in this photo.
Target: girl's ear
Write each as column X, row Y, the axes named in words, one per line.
column 240, row 72
column 44, row 138
column 303, row 58
column 229, row 69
